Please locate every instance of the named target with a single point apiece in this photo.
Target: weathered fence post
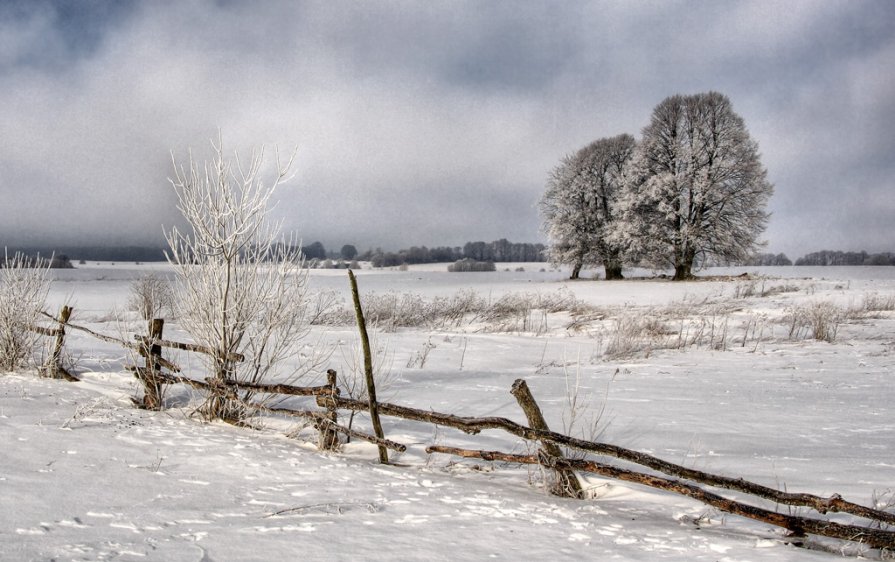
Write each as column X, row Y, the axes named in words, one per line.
column 328, row 439
column 53, row 367
column 566, row 483
column 368, row 367
column 152, row 387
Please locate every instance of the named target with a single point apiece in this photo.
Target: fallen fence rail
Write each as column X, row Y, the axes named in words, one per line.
column 799, row 526
column 474, row 425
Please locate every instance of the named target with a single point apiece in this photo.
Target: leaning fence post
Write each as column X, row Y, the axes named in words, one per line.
column 53, row 368
column 152, row 387
column 566, row 483
column 368, row 367
column 328, row 438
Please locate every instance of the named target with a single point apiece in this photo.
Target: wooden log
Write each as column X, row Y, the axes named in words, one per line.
column 565, row 483
column 280, row 388
column 473, row 425
column 161, row 361
column 328, row 439
column 368, row 367
column 165, row 378
column 152, row 386
column 96, row 335
column 875, row 538
column 236, row 357
column 212, row 383
column 53, row 367
column 50, row 332
column 321, row 418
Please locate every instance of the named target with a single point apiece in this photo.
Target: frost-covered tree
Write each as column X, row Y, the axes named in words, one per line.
column 578, row 207
column 695, row 186
column 24, row 285
column 241, row 289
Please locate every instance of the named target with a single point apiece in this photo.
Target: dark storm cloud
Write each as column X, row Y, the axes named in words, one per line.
column 430, row 122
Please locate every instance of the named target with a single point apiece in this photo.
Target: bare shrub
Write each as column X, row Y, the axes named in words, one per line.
column 321, row 305
column 579, row 416
column 778, row 289
column 351, row 375
column 561, row 300
column 818, row 320
column 151, row 296
column 708, row 329
column 419, row 359
column 510, row 313
column 240, row 283
column 875, row 302
column 745, row 289
column 390, row 311
column 753, row 329
column 23, row 293
column 633, row 334
column 452, row 311
column 760, row 288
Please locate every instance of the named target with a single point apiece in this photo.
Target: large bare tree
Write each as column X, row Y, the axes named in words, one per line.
column 695, row 186
column 578, row 207
column 241, row 289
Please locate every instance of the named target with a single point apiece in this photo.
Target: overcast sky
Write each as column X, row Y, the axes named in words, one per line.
column 425, row 122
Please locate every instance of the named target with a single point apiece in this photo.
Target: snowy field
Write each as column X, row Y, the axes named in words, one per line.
column 723, row 375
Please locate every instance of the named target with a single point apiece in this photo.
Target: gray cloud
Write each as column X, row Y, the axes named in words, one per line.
column 430, row 123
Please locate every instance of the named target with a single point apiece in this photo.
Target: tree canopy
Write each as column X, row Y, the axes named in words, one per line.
column 579, row 205
column 694, row 187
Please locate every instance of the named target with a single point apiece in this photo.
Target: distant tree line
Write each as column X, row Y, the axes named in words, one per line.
column 497, row 251
column 827, row 257
column 57, row 261
column 97, row 253
column 768, row 259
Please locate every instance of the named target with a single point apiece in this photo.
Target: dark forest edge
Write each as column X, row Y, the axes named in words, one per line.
column 497, row 251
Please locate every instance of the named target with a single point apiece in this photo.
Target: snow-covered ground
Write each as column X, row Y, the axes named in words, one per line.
column 704, row 374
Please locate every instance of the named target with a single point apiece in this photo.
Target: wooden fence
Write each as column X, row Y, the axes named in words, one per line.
column 561, row 471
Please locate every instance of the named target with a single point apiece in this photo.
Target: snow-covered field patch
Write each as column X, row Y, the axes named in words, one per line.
column 710, row 374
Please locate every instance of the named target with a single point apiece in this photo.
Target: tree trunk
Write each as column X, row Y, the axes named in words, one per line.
column 576, row 270
column 682, row 272
column 613, row 270
column 683, row 266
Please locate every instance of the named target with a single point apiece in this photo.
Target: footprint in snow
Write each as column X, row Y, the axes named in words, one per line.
column 43, row 528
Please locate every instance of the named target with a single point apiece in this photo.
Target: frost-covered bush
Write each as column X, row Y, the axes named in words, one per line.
column 151, row 296
column 875, row 302
column 240, row 286
column 818, row 320
column 634, row 334
column 23, row 293
column 467, row 265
